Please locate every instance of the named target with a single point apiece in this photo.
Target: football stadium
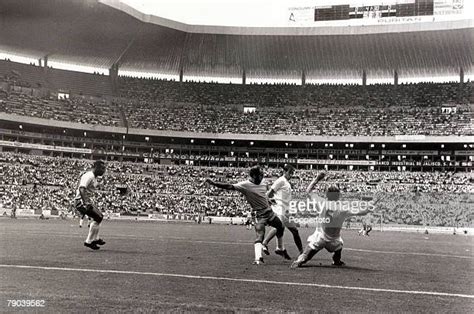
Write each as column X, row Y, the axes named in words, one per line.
column 236, row 156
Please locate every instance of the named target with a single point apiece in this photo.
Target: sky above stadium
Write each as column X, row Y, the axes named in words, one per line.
column 248, row 13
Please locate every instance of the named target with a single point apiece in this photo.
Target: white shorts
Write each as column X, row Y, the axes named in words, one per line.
column 286, row 222
column 317, row 241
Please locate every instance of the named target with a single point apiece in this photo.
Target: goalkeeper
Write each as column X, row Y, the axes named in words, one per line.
column 82, row 202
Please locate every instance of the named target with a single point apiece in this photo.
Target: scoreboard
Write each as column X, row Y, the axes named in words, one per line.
column 358, row 12
column 344, row 12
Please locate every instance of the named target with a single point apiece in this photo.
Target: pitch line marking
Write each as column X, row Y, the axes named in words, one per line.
column 69, row 235
column 261, row 281
column 409, row 253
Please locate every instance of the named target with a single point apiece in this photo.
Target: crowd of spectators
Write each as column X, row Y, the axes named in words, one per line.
column 439, row 198
column 74, row 109
column 332, row 110
column 331, row 121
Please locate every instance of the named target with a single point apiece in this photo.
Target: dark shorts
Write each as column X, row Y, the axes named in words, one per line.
column 265, row 217
column 93, row 212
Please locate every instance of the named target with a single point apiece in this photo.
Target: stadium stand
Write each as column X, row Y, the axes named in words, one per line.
column 326, row 110
column 438, row 199
column 412, row 109
column 31, row 76
column 74, row 109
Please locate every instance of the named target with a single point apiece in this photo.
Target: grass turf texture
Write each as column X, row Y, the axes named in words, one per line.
column 150, row 254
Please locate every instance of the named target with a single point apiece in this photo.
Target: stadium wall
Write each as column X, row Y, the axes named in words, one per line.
column 404, row 153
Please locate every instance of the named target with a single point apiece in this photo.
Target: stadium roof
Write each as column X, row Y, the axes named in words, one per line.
column 90, row 36
column 283, row 17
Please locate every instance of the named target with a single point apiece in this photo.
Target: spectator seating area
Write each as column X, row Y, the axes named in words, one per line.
column 75, row 109
column 337, row 110
column 32, row 76
column 436, row 199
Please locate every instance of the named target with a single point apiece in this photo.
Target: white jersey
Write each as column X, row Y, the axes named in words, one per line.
column 282, row 189
column 89, row 182
column 335, row 215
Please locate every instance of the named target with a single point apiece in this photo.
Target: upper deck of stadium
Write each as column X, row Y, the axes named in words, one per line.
column 94, row 36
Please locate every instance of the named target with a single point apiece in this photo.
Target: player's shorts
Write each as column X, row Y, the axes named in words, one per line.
column 281, row 213
column 265, row 218
column 317, row 241
column 286, row 221
column 93, row 213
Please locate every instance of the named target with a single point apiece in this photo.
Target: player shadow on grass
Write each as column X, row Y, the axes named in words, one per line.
column 126, row 252
column 345, row 267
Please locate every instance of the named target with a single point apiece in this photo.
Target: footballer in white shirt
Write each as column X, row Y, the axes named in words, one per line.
column 280, row 193
column 87, row 185
column 328, row 233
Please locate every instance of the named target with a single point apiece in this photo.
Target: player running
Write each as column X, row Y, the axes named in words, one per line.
column 82, row 202
column 255, row 192
column 280, row 192
column 328, row 233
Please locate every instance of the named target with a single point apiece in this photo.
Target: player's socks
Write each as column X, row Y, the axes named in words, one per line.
column 90, row 236
column 80, row 223
column 297, row 239
column 337, row 258
column 280, row 245
column 95, row 235
column 258, row 251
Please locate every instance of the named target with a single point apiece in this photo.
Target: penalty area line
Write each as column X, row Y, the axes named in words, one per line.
column 258, row 281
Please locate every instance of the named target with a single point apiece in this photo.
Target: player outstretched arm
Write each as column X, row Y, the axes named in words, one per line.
column 225, row 186
column 315, row 181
